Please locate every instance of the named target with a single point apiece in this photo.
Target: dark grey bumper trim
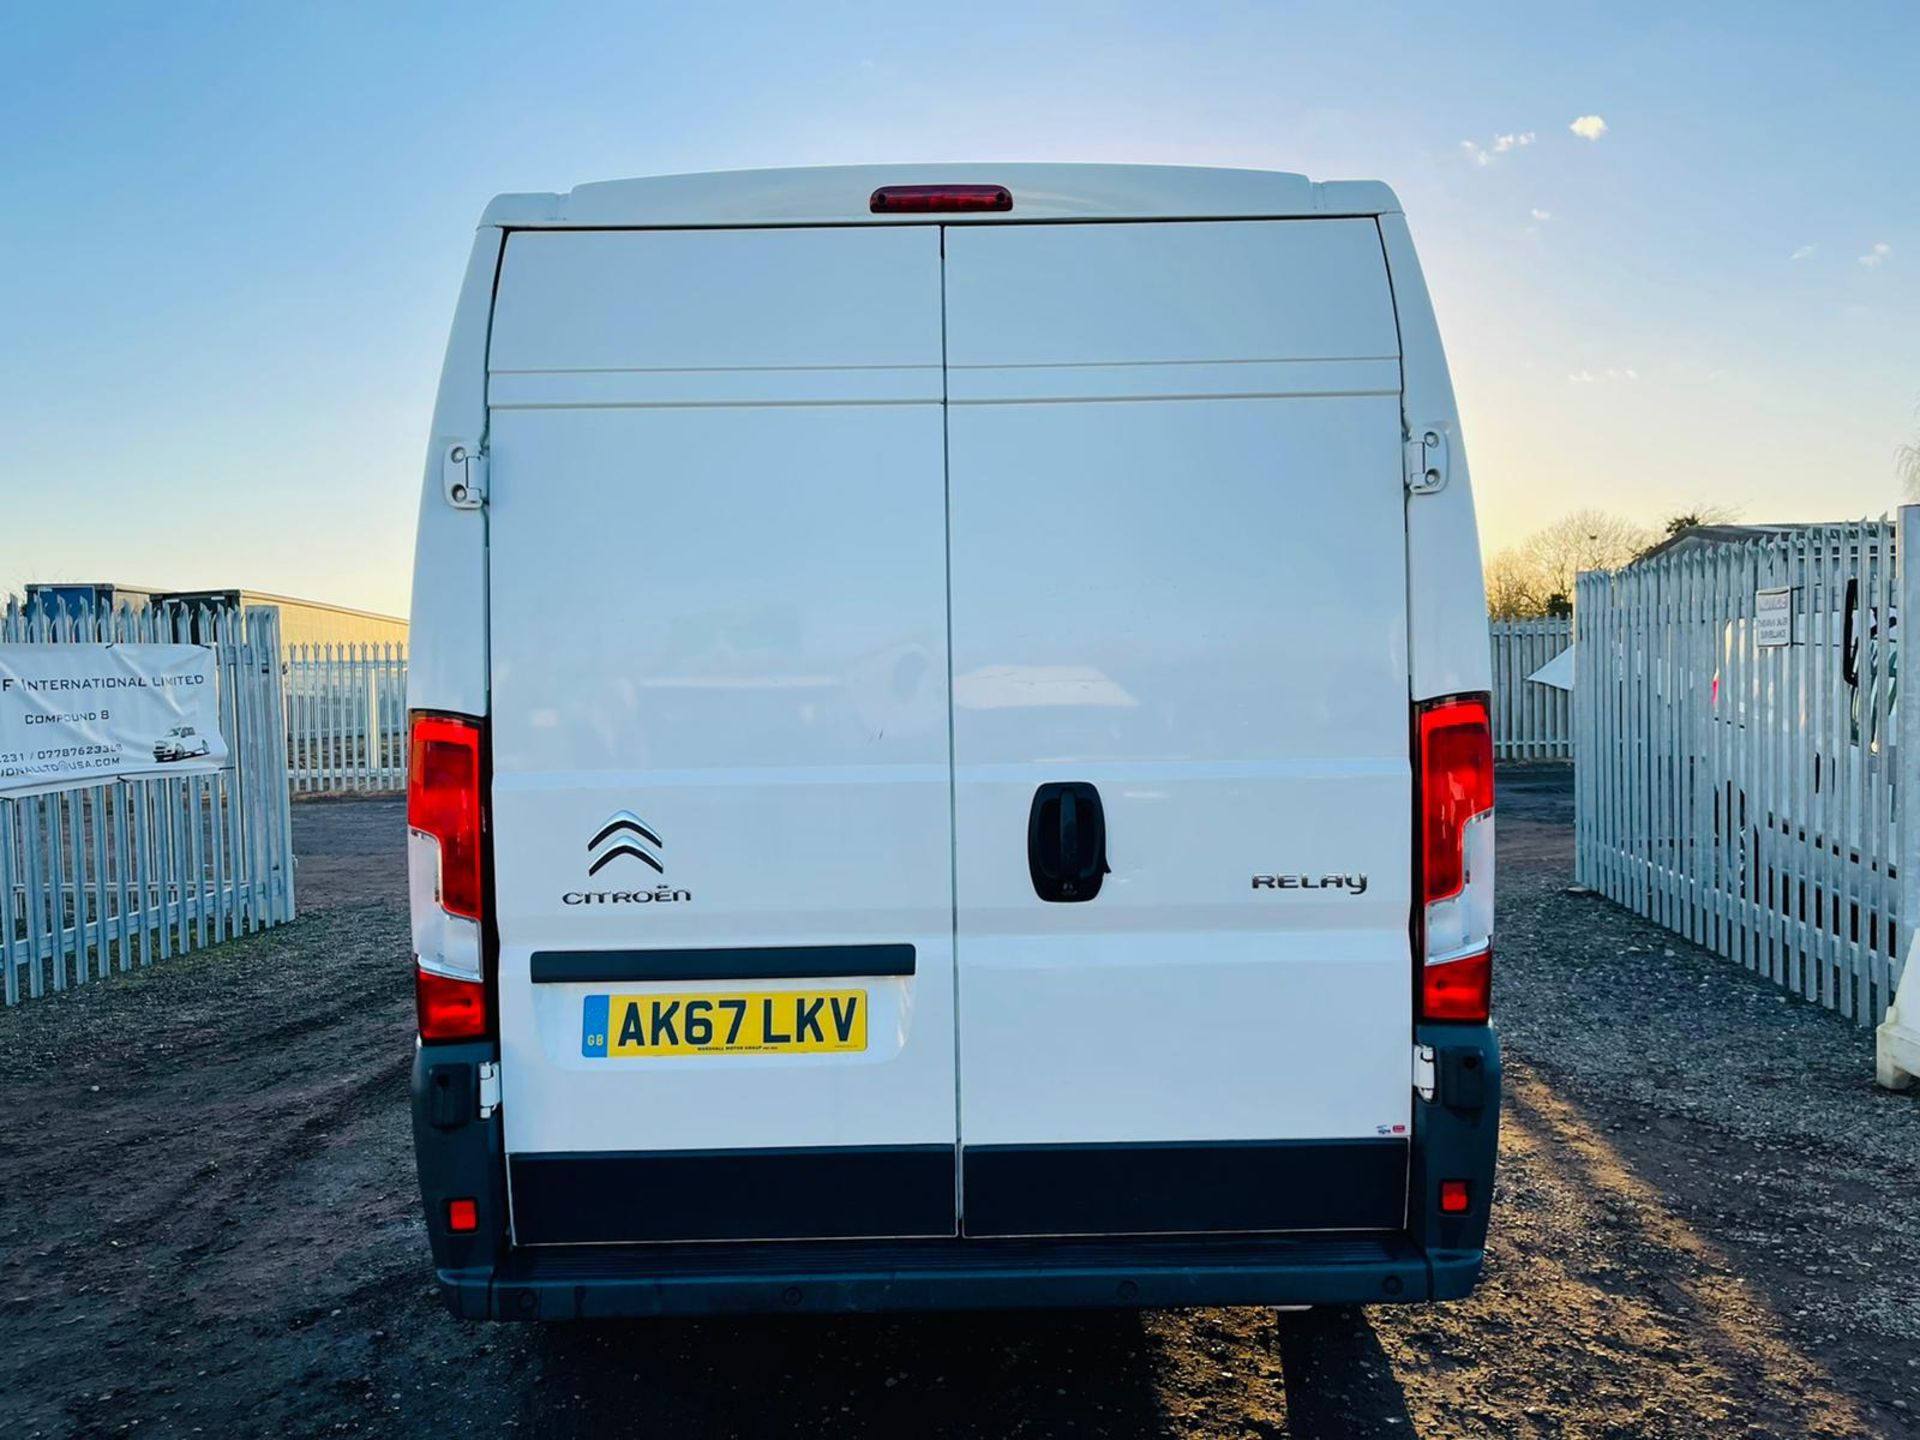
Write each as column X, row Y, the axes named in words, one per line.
column 837, row 1277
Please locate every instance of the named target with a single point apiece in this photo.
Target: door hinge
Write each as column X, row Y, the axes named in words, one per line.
column 1425, row 1077
column 463, row 475
column 490, row 1087
column 1427, row 460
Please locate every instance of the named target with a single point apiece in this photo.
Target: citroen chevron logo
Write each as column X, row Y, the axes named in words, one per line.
column 625, row 833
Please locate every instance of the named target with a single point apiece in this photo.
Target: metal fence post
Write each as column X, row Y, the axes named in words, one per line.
column 1530, row 722
column 1897, row 1042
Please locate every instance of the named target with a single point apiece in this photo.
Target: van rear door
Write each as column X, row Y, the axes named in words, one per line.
column 720, row 770
column 1178, row 570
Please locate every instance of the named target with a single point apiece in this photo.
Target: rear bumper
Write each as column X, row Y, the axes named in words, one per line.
column 591, row 1282
column 1435, row 1256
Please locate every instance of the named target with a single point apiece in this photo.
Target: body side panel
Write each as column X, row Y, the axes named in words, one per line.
column 1446, row 592
column 447, row 639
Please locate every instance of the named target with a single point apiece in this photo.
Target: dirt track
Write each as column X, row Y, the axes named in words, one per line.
column 1708, row 1223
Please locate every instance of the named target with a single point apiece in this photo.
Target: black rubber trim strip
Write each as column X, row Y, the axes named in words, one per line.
column 799, row 1193
column 768, row 962
column 1192, row 1187
column 835, row 1277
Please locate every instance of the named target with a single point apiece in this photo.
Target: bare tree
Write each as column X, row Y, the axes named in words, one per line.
column 1536, row 577
column 1584, row 540
column 1907, row 461
column 1511, row 591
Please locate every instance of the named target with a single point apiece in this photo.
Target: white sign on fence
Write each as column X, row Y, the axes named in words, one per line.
column 1773, row 617
column 79, row 714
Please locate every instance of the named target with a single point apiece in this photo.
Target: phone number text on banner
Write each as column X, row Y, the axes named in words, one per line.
column 81, row 714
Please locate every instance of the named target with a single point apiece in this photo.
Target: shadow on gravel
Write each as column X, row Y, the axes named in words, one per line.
column 1017, row 1373
column 1340, row 1383
column 973, row 1375
column 1665, row 1289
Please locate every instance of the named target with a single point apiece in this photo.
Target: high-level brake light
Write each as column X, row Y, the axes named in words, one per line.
column 446, row 876
column 1455, row 845
column 931, row 199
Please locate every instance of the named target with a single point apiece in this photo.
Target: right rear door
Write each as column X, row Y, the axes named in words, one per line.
column 1177, row 557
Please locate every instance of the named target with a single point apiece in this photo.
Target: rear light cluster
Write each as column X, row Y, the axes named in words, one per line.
column 445, row 876
column 1455, row 846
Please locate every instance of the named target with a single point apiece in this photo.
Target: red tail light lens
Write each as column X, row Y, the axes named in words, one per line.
column 1455, row 846
column 1456, row 784
column 443, row 800
column 463, row 1216
column 1458, row 989
column 445, row 806
column 1456, row 1197
column 449, row 1008
column 924, row 199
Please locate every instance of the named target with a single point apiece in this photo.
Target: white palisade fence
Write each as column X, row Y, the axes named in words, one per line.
column 1738, row 766
column 1530, row 722
column 347, row 718
column 115, row 876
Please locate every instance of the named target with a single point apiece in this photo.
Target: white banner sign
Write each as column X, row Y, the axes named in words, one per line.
column 82, row 714
column 1773, row 617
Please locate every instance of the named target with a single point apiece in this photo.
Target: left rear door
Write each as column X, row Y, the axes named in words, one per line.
column 719, row 719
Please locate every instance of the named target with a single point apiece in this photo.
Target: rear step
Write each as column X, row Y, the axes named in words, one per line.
column 591, row 1282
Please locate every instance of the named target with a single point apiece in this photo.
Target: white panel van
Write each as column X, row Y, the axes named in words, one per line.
column 950, row 760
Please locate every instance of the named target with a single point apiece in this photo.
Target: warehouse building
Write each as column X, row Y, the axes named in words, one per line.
column 302, row 622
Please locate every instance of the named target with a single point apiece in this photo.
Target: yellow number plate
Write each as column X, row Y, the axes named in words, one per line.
column 791, row 1022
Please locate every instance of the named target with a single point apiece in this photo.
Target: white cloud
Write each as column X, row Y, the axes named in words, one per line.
column 1597, row 377
column 1803, row 252
column 1589, row 127
column 1878, row 253
column 1483, row 154
column 1540, row 214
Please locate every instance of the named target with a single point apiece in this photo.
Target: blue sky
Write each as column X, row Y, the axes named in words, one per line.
column 230, row 236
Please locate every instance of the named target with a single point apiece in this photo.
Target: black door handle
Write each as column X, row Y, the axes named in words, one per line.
column 1066, row 841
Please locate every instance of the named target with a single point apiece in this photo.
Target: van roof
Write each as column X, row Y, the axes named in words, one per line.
column 838, row 195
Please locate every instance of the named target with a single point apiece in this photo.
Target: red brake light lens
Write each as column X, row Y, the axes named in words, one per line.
column 463, row 1216
column 1455, row 1197
column 443, row 800
column 1456, row 784
column 1458, row 989
column 927, row 199
column 448, row 1008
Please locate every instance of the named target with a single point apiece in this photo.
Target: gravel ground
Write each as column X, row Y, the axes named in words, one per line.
column 1707, row 1223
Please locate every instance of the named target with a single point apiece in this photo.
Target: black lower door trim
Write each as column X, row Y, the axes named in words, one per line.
column 1185, row 1188
column 806, row 1193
